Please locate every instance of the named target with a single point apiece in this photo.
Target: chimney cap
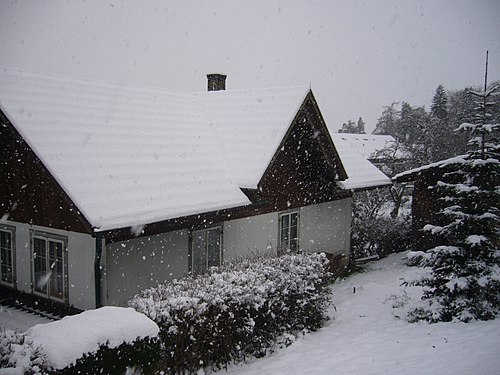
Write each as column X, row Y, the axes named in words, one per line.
column 216, row 81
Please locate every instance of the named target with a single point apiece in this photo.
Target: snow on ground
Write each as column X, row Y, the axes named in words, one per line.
column 366, row 336
column 19, row 320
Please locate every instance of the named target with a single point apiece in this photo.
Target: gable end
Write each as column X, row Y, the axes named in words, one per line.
column 306, row 166
column 29, row 193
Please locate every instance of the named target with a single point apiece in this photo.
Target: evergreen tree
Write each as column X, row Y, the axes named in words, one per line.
column 414, row 132
column 361, row 126
column 442, row 133
column 349, row 127
column 353, row 128
column 439, row 106
column 460, row 110
column 465, row 280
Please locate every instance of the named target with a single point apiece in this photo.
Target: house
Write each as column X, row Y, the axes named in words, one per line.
column 108, row 189
column 425, row 201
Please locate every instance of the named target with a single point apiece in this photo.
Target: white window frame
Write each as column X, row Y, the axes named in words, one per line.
column 205, row 233
column 285, row 247
column 63, row 241
column 11, row 231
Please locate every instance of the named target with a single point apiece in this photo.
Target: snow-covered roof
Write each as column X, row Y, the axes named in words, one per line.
column 354, row 151
column 128, row 156
column 366, row 145
column 249, row 126
column 438, row 164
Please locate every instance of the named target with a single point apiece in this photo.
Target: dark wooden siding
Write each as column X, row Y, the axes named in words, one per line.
column 426, row 206
column 28, row 192
column 423, row 208
column 304, row 170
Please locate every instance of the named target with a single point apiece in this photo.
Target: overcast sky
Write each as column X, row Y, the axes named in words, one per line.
column 358, row 56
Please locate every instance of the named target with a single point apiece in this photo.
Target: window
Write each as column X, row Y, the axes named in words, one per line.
column 7, row 255
column 289, row 231
column 206, row 249
column 49, row 254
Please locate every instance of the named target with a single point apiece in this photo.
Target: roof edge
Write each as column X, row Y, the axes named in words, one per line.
column 283, row 137
column 413, row 173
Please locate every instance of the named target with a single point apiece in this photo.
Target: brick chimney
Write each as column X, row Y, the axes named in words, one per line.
column 216, row 82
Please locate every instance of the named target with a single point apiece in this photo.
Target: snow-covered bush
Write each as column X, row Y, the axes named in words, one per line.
column 236, row 310
column 416, row 258
column 18, row 354
column 465, row 279
column 73, row 337
column 105, row 340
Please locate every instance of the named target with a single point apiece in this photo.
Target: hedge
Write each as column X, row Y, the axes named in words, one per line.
column 237, row 310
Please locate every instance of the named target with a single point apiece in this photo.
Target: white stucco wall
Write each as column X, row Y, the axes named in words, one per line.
column 250, row 236
column 81, row 252
column 326, row 227
column 140, row 263
column 133, row 265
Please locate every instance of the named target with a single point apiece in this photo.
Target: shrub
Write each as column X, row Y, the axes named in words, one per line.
column 106, row 340
column 18, row 352
column 141, row 354
column 18, row 355
column 379, row 235
column 236, row 310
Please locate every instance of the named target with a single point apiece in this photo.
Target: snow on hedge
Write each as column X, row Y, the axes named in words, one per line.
column 66, row 340
column 18, row 355
column 247, row 283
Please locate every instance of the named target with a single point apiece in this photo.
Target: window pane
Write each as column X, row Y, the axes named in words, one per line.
column 285, row 229
column 56, row 286
column 293, row 238
column 40, row 265
column 214, row 247
column 6, row 253
column 199, row 253
column 285, row 239
column 285, row 221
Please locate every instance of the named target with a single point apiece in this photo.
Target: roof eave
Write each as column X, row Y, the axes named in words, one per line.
column 367, row 186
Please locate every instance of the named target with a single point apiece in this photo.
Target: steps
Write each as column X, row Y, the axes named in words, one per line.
column 35, row 305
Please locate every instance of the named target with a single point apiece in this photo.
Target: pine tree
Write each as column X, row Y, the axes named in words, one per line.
column 465, row 280
column 353, row 128
column 439, row 106
column 442, row 133
column 361, row 126
column 349, row 127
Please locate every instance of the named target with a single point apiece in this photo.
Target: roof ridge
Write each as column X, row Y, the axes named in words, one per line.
column 135, row 86
column 87, row 81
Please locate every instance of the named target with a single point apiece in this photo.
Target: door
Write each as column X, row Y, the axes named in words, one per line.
column 49, row 271
column 7, row 256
